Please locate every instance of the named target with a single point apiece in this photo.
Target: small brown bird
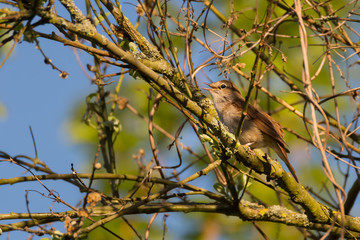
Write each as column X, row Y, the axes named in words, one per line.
column 258, row 130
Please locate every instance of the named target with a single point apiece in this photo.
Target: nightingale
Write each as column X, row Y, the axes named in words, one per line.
column 259, row 129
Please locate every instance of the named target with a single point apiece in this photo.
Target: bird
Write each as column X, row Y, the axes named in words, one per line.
column 259, row 130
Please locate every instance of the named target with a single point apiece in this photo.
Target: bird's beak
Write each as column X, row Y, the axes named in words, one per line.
column 209, row 89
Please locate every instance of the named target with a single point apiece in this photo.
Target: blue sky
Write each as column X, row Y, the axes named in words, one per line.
column 34, row 95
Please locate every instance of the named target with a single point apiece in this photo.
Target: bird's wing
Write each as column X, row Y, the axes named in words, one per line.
column 267, row 125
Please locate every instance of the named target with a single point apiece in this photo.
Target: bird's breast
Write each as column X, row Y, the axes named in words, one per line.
column 250, row 133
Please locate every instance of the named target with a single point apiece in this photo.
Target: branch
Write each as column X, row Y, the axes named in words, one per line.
column 248, row 212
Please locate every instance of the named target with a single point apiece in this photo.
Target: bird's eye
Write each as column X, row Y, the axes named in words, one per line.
column 223, row 86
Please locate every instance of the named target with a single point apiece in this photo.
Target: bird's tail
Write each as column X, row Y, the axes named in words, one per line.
column 281, row 152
